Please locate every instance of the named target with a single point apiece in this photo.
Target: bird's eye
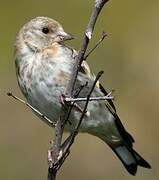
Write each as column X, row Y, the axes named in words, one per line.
column 45, row 30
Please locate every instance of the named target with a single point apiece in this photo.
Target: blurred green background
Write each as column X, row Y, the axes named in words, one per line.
column 130, row 58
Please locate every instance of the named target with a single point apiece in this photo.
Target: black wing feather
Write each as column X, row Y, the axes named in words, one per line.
column 126, row 136
column 105, row 93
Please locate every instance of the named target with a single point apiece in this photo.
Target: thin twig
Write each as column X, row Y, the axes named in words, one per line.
column 59, row 127
column 56, row 148
column 51, row 174
column 88, row 97
column 53, row 160
column 91, row 99
column 87, row 36
column 96, row 45
column 76, row 94
column 71, row 138
column 32, row 108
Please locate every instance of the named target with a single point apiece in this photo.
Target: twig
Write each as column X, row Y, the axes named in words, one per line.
column 96, row 45
column 72, row 104
column 91, row 99
column 32, row 108
column 71, row 87
column 54, row 151
column 69, row 141
column 51, row 174
column 87, row 36
column 88, row 97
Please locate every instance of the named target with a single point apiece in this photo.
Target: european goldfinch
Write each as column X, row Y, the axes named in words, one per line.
column 43, row 67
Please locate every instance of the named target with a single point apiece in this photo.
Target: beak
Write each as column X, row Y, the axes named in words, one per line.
column 63, row 36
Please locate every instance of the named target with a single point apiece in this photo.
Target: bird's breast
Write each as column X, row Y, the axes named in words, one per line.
column 43, row 78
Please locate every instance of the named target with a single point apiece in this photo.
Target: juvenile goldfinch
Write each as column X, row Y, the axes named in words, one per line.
column 43, row 67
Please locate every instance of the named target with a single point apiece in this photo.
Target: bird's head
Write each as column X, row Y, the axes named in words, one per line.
column 41, row 32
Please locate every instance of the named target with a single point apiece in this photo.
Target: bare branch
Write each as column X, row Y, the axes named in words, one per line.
column 96, row 45
column 69, row 141
column 72, row 104
column 88, row 34
column 91, row 99
column 54, row 151
column 54, row 158
column 32, row 108
column 88, row 97
column 51, row 174
column 56, row 163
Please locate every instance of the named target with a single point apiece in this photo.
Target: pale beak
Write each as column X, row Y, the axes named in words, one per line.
column 63, row 36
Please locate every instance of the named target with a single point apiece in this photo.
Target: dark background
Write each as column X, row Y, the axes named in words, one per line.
column 130, row 58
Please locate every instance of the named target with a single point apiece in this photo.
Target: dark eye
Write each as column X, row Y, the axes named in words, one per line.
column 45, row 30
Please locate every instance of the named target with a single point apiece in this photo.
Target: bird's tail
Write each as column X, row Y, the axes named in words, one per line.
column 130, row 158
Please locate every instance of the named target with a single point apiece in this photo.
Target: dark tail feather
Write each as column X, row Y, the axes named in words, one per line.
column 130, row 158
column 127, row 157
column 141, row 161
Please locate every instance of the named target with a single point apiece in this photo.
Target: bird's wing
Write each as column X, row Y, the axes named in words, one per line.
column 124, row 150
column 86, row 70
column 109, row 102
column 109, row 105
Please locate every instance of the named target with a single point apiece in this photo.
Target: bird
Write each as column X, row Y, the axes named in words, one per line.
column 44, row 64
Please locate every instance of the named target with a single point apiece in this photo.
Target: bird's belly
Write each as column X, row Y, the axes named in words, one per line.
column 43, row 89
column 45, row 96
column 42, row 85
column 99, row 122
column 46, row 99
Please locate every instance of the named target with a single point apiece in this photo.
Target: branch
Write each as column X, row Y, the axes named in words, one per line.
column 88, row 97
column 91, row 99
column 96, row 45
column 76, row 94
column 88, row 34
column 55, row 151
column 69, row 141
column 51, row 174
column 10, row 94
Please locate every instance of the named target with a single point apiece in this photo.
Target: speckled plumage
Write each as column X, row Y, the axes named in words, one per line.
column 44, row 65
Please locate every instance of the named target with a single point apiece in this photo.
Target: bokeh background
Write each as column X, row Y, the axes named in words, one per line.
column 130, row 58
